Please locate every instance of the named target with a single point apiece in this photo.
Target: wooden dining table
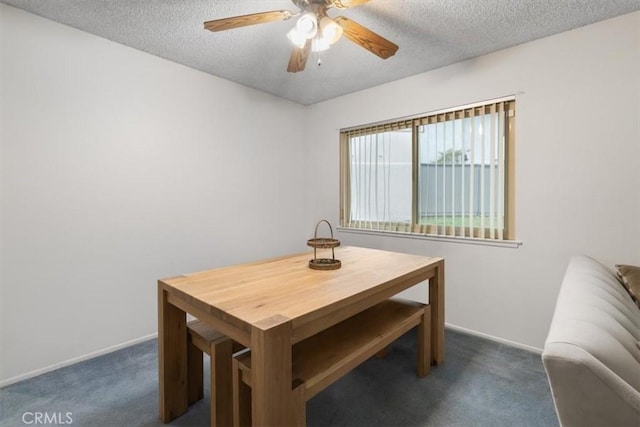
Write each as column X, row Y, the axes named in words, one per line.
column 270, row 305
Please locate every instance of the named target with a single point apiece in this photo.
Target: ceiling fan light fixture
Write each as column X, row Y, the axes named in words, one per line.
column 307, row 25
column 331, row 31
column 296, row 38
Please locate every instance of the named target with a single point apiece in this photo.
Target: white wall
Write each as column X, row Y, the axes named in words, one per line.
column 119, row 168
column 577, row 137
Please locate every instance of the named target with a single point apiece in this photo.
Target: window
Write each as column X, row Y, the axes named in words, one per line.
column 449, row 173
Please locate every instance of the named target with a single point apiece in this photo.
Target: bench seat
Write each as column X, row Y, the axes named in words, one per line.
column 322, row 359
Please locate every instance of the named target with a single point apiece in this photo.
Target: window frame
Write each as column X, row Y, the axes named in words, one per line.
column 414, row 122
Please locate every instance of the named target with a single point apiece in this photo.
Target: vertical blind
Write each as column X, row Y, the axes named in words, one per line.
column 443, row 174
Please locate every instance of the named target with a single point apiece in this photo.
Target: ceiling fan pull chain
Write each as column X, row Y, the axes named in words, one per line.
column 316, row 57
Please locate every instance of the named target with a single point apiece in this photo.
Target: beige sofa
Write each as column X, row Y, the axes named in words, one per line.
column 592, row 352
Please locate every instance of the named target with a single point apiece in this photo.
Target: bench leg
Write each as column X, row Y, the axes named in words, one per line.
column 382, row 353
column 221, row 387
column 241, row 398
column 299, row 407
column 424, row 343
column 242, row 402
column 195, row 387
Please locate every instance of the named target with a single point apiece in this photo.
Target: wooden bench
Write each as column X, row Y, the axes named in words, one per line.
column 201, row 338
column 322, row 359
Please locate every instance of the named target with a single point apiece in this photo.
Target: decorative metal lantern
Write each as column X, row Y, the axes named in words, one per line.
column 324, row 243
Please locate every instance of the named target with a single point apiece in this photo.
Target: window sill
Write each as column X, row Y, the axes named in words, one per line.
column 514, row 244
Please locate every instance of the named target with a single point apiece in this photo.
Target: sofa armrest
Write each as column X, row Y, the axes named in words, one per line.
column 586, row 392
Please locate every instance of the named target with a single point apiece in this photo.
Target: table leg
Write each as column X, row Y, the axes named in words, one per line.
column 172, row 359
column 436, row 301
column 271, row 373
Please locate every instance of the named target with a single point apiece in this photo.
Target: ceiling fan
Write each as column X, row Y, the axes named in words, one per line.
column 314, row 30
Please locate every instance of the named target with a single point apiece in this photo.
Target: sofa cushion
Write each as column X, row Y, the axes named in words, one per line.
column 630, row 277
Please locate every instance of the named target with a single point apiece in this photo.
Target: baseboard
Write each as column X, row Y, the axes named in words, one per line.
column 493, row 338
column 75, row 360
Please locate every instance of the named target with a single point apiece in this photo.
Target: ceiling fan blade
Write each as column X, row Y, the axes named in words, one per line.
column 345, row 4
column 245, row 20
column 299, row 57
column 366, row 38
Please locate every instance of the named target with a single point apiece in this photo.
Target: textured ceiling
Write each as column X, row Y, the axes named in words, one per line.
column 430, row 33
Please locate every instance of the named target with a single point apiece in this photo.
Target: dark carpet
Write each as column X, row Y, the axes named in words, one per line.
column 481, row 383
